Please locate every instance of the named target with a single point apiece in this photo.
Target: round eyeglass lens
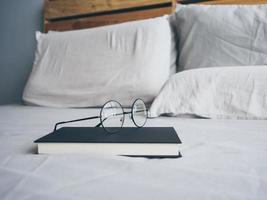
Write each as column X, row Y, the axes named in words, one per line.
column 112, row 117
column 139, row 113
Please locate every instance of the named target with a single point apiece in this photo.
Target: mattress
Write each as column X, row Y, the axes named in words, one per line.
column 221, row 159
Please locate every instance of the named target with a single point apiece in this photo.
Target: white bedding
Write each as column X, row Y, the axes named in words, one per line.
column 221, row 35
column 238, row 92
column 222, row 159
column 85, row 68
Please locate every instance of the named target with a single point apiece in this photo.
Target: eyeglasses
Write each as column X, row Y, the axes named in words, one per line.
column 112, row 116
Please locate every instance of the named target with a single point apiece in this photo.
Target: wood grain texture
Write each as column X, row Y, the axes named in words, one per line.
column 63, row 15
column 64, row 8
column 95, row 21
column 222, row 2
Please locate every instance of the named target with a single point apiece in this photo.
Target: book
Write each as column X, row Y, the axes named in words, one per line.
column 129, row 141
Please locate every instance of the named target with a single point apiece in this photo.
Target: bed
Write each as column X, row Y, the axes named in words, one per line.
column 221, row 158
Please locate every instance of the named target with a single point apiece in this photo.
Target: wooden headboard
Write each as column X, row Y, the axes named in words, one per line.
column 62, row 15
column 210, row 2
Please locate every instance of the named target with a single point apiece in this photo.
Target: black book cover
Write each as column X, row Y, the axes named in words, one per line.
column 99, row 135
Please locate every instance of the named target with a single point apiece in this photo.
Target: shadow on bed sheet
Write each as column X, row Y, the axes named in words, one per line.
column 32, row 150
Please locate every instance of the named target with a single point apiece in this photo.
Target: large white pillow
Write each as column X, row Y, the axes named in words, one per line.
column 221, row 35
column 220, row 92
column 86, row 68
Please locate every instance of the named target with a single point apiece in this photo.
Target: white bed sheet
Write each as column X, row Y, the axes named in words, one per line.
column 222, row 159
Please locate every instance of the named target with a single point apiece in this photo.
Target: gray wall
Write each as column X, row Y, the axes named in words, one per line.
column 19, row 19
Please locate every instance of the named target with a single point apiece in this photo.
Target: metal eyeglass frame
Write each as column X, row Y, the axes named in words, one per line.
column 102, row 120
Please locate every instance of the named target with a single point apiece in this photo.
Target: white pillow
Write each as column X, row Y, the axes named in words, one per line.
column 221, row 35
column 220, row 92
column 86, row 68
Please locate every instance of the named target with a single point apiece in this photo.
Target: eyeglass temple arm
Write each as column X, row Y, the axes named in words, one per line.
column 76, row 120
column 124, row 113
column 100, row 123
column 107, row 117
column 136, row 111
